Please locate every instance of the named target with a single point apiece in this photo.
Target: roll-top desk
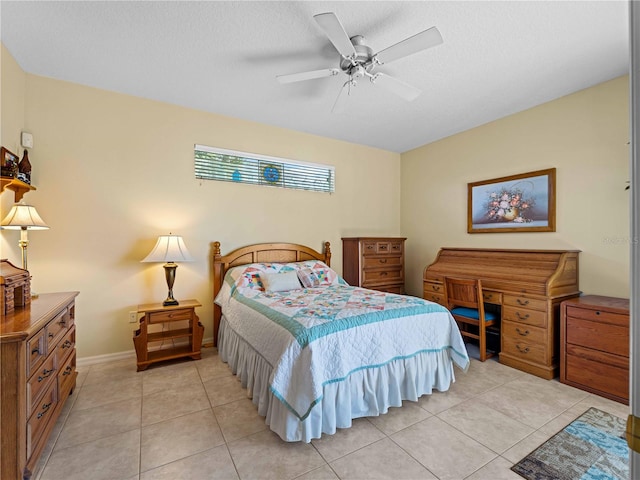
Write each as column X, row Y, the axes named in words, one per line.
column 527, row 285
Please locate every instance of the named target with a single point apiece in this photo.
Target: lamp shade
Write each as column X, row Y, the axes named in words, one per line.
column 169, row 248
column 22, row 217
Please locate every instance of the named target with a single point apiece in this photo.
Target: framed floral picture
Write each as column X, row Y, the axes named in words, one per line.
column 518, row 203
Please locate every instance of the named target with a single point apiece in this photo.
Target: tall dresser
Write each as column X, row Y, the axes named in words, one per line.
column 374, row 262
column 38, row 358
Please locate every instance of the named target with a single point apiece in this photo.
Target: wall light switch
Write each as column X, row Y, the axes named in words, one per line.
column 26, row 140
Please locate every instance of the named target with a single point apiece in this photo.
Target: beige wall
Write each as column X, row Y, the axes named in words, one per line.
column 583, row 135
column 113, row 172
column 12, row 103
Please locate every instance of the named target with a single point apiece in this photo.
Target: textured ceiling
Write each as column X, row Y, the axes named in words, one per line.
column 497, row 58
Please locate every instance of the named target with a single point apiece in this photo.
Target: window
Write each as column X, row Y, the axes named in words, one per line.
column 231, row 166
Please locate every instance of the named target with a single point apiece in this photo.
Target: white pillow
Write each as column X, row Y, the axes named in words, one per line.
column 279, row 282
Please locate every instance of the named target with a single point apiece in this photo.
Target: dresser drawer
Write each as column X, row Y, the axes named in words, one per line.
column 382, row 262
column 389, row 275
column 524, row 349
column 67, row 376
column 598, row 371
column 66, row 346
column 39, row 382
column 600, row 316
column 399, row 289
column 56, row 329
column 36, row 351
column 599, row 336
column 522, row 301
column 523, row 315
column 40, row 417
column 170, row 316
column 381, row 247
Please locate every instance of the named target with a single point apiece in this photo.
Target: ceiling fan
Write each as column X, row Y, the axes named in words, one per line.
column 357, row 59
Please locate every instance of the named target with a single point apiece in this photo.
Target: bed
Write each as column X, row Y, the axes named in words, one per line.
column 315, row 353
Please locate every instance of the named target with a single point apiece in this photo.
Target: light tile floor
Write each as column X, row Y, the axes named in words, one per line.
column 192, row 420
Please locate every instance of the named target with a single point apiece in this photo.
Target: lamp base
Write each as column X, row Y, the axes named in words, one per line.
column 170, row 301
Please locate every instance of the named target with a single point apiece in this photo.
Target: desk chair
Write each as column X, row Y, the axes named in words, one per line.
column 464, row 301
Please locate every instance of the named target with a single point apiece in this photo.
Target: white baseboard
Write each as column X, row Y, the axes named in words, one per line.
column 112, row 357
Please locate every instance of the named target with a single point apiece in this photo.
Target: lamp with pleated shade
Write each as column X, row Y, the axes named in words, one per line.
column 170, row 249
column 23, row 217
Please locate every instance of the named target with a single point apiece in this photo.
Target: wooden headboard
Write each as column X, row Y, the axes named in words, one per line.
column 258, row 253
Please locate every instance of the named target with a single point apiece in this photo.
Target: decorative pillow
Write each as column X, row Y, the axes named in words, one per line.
column 308, row 278
column 279, row 282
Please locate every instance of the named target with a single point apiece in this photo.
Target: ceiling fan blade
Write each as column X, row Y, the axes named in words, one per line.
column 299, row 77
column 400, row 88
column 420, row 41
column 340, row 102
column 336, row 33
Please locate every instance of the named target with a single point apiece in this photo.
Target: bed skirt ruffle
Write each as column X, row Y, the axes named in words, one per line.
column 364, row 393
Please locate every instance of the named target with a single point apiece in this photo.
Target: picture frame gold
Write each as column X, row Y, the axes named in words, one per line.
column 517, row 203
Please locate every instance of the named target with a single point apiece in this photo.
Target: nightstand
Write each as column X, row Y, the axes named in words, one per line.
column 156, row 326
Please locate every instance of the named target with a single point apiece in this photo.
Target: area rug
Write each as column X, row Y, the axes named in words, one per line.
column 591, row 447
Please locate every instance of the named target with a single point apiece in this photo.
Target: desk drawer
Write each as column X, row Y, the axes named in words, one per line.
column 522, row 301
column 524, row 349
column 520, row 332
column 434, row 297
column 170, row 315
column 437, row 288
column 489, row 296
column 523, row 315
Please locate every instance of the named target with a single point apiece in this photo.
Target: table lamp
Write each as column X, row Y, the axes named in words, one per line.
column 169, row 248
column 23, row 217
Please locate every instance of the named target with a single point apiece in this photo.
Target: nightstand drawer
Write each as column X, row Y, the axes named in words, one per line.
column 599, row 336
column 170, row 315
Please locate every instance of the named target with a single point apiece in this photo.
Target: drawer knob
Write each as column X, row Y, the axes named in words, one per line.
column 66, row 344
column 383, row 260
column 45, row 407
column 522, row 317
column 523, row 350
column 35, row 350
column 383, row 273
column 597, row 312
column 67, row 371
column 51, row 335
column 524, row 334
column 436, row 288
column 522, row 302
column 45, row 374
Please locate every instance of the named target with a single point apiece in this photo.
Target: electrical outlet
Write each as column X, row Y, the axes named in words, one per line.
column 133, row 316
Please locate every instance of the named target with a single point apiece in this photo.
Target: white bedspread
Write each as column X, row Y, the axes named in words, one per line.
column 313, row 337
